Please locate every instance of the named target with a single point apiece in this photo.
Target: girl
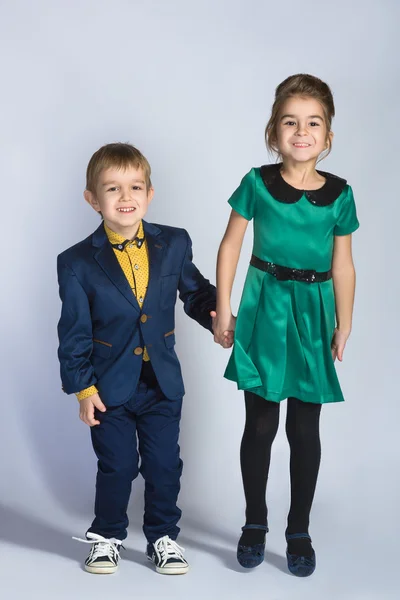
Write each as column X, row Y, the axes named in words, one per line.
column 285, row 339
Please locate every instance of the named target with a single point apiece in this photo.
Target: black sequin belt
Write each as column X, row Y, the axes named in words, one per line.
column 286, row 273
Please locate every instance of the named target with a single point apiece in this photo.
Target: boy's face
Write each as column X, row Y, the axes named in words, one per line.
column 122, row 198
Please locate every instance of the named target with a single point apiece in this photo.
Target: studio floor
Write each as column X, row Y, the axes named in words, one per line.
column 39, row 559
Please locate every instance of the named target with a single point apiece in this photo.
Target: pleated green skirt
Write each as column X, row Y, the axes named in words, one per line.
column 282, row 344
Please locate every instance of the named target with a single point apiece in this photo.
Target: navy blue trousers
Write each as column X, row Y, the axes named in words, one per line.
column 145, row 428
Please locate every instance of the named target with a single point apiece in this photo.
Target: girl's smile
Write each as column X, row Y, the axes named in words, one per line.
column 302, row 131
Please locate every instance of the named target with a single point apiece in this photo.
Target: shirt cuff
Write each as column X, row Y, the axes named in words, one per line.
column 90, row 391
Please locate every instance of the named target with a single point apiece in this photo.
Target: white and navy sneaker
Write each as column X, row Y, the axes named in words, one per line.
column 167, row 556
column 104, row 554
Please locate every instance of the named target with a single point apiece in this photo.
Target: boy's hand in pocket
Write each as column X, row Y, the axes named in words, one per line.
column 87, row 407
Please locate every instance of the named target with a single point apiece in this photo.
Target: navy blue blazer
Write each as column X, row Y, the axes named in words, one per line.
column 102, row 330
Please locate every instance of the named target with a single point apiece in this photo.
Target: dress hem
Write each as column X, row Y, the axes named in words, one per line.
column 255, row 384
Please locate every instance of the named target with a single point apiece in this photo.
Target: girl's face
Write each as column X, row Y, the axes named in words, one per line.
column 302, row 131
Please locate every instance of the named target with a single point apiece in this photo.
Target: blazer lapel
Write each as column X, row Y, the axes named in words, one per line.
column 107, row 260
column 156, row 250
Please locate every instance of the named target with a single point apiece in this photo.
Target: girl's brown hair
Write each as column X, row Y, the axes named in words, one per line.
column 304, row 86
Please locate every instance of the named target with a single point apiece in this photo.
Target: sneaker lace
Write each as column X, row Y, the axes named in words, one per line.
column 167, row 549
column 101, row 546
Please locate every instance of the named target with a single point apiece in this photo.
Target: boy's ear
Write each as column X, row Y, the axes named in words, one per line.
column 150, row 195
column 92, row 200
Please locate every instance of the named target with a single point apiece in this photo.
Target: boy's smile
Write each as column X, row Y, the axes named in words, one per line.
column 122, row 198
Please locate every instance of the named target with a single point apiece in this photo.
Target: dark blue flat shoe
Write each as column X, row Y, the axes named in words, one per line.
column 251, row 556
column 301, row 566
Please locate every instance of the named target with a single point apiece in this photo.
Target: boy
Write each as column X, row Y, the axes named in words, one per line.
column 118, row 289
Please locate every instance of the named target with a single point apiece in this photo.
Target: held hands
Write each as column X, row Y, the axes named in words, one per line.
column 223, row 327
column 86, row 409
column 338, row 344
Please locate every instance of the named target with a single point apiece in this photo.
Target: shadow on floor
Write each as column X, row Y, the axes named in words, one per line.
column 211, row 540
column 28, row 531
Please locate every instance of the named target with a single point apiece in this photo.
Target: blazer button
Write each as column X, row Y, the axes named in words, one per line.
column 143, row 318
column 138, row 351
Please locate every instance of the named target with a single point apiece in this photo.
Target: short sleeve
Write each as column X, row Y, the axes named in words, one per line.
column 243, row 199
column 347, row 222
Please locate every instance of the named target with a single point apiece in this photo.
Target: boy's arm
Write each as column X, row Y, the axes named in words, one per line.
column 74, row 333
column 197, row 293
column 90, row 391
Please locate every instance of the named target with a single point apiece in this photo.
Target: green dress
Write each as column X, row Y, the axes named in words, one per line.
column 284, row 329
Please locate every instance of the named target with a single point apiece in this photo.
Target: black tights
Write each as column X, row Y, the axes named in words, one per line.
column 302, row 430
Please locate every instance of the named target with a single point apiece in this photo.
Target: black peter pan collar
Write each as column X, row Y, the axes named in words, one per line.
column 284, row 192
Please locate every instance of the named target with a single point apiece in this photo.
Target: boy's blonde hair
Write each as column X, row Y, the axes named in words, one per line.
column 303, row 86
column 118, row 156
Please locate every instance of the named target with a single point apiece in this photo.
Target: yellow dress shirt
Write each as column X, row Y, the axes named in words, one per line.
column 134, row 261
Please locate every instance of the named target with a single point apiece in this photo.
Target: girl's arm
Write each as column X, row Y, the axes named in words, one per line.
column 344, row 280
column 228, row 256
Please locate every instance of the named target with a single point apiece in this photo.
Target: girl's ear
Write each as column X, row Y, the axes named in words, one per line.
column 329, row 140
column 274, row 144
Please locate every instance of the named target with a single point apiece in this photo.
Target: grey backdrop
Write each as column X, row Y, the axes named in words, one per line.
column 191, row 84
